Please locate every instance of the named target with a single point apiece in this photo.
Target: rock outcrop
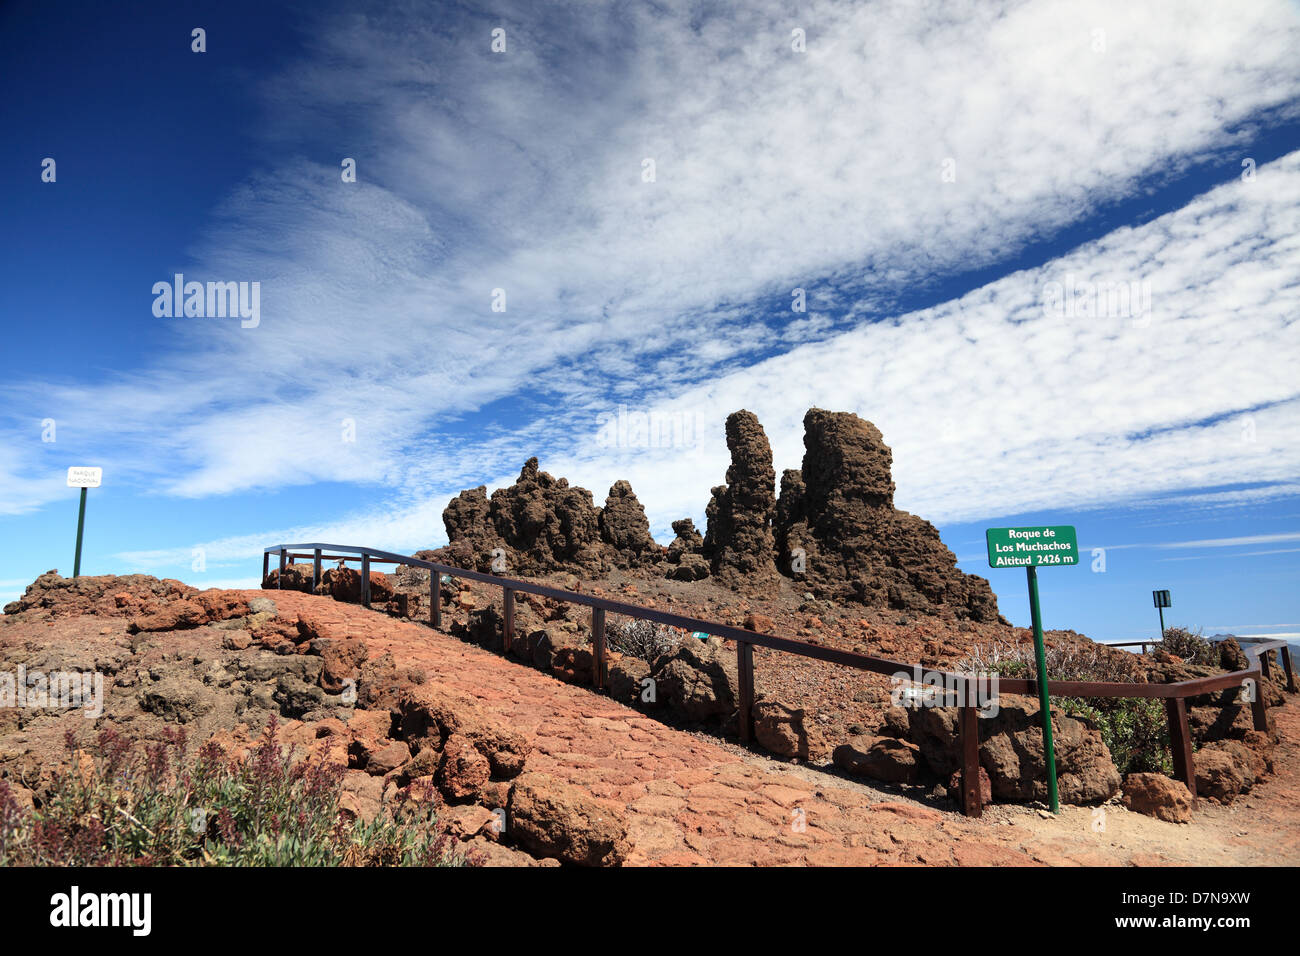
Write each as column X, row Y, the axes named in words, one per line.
column 837, row 529
column 738, row 538
column 1011, row 753
column 542, row 525
column 625, row 528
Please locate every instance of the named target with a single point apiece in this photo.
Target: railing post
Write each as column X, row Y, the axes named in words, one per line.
column 1263, row 664
column 315, row 571
column 508, row 627
column 968, row 732
column 266, row 565
column 598, row 647
column 1180, row 743
column 1285, row 652
column 435, row 599
column 1258, row 708
column 745, row 673
column 279, row 580
column 365, row 579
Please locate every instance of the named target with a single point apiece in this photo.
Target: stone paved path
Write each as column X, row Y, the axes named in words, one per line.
column 690, row 801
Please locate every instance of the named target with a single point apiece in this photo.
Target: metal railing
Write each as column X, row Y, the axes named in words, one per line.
column 972, row 693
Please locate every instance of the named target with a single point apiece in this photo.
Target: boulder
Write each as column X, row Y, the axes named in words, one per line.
column 468, row 821
column 565, row 654
column 1219, row 776
column 297, row 577
column 554, row 819
column 624, row 676
column 688, row 541
column 698, row 680
column 344, row 584
column 1158, row 796
column 690, row 567
column 173, row 616
column 787, row 731
column 1252, row 765
column 463, row 770
column 1011, row 750
column 880, row 758
column 435, row 714
column 388, row 758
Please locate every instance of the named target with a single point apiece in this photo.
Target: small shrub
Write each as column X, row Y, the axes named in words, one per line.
column 643, row 639
column 1189, row 645
column 129, row 805
column 1064, row 662
column 1134, row 729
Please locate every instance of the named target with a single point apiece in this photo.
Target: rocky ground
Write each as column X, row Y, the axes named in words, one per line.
column 535, row 768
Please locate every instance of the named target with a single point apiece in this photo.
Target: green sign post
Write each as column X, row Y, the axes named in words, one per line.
column 1032, row 548
column 83, row 478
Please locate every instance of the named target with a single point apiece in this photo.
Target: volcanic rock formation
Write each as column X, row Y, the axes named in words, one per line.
column 542, row 524
column 738, row 538
column 838, row 531
column 625, row 528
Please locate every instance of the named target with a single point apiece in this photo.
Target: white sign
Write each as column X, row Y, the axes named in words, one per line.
column 79, row 476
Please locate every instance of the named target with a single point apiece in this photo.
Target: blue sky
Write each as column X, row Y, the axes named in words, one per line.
column 944, row 182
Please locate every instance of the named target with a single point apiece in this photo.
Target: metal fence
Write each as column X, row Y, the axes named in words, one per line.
column 968, row 699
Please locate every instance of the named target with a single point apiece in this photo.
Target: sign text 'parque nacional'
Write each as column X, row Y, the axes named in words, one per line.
column 82, row 476
column 1032, row 547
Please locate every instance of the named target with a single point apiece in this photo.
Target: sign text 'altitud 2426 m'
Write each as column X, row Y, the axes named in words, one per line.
column 1032, row 547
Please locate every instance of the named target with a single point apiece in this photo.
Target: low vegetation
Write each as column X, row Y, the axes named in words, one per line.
column 1134, row 729
column 129, row 805
column 642, row 639
column 1189, row 645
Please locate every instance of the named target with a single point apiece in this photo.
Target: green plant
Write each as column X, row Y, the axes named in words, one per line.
column 1134, row 729
column 129, row 805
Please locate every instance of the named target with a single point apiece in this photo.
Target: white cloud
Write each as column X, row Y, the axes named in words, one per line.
column 775, row 170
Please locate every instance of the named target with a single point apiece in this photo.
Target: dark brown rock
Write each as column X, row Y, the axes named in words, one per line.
column 787, row 731
column 698, row 680
column 880, row 758
column 837, row 516
column 625, row 528
column 738, row 538
column 688, row 541
column 1011, row 750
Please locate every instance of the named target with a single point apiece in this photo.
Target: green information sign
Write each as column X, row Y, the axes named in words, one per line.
column 1032, row 547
